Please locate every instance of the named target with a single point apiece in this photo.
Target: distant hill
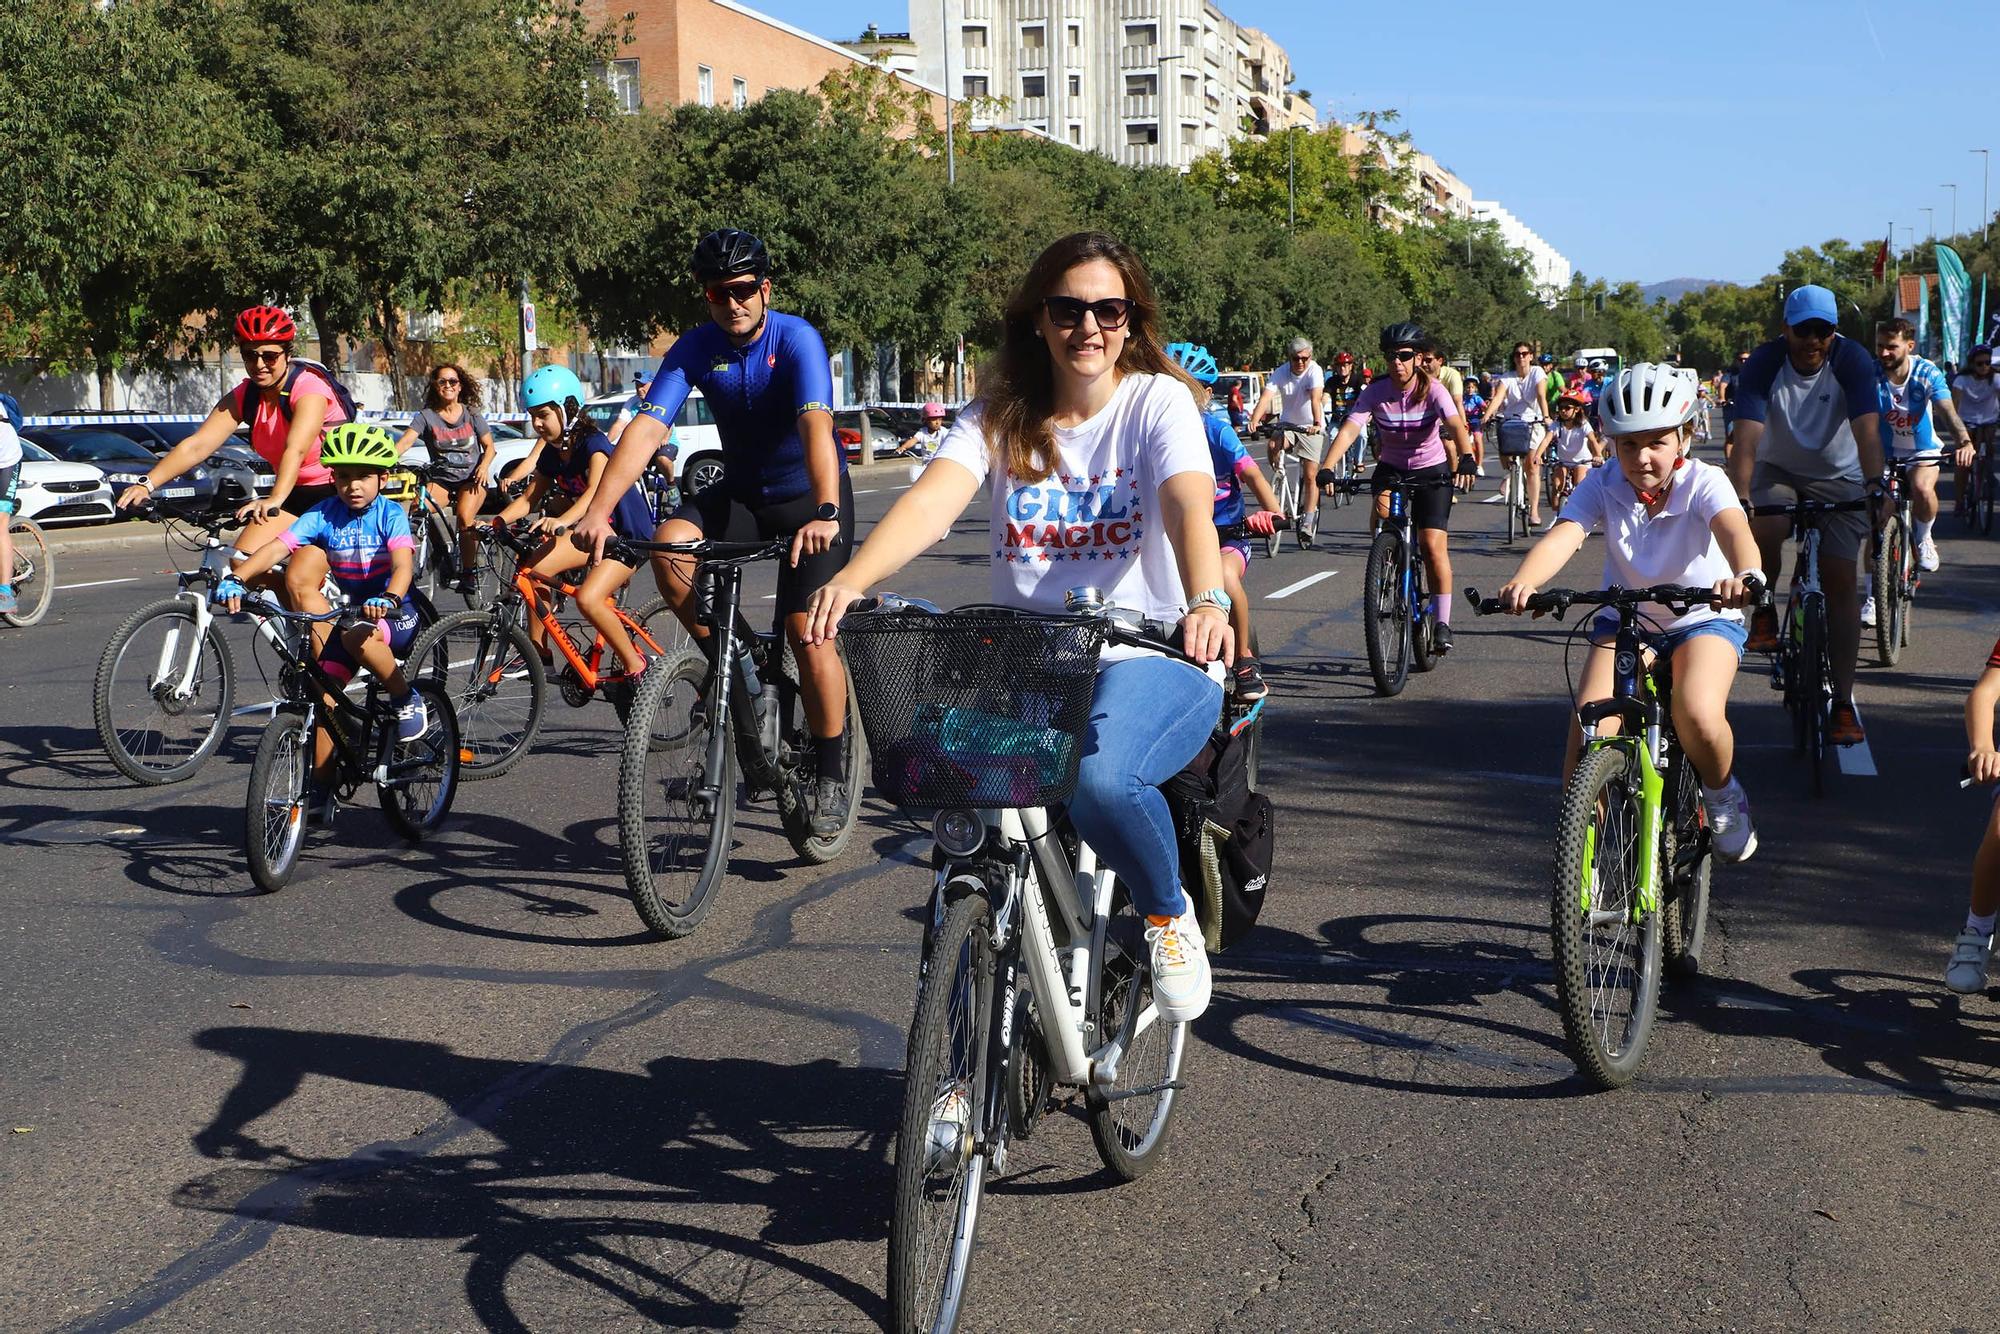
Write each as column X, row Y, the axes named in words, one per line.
column 1673, row 289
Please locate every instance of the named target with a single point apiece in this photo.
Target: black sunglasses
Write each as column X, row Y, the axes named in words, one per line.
column 1814, row 329
column 1524, row 352
column 1066, row 312
column 1403, row 354
column 263, row 356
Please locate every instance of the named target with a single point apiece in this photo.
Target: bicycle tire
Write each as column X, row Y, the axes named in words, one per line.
column 944, row 1109
column 123, row 738
column 669, row 637
column 1684, row 902
column 33, row 575
column 471, row 655
column 1887, row 572
column 274, row 806
column 418, row 804
column 793, row 813
column 1817, row 692
column 1154, row 1060
column 1595, row 968
column 1385, row 621
column 1985, row 500
column 1423, row 625
column 674, row 853
column 1288, row 505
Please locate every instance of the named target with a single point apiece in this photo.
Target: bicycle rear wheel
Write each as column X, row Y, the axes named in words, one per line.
column 274, row 809
column 497, row 684
column 424, row 773
column 1607, row 947
column 150, row 733
column 1385, row 618
column 1684, row 906
column 675, row 820
column 940, row 1172
column 1130, row 1120
column 34, row 573
column 795, row 812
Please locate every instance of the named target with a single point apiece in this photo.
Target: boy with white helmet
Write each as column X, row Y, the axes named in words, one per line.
column 1666, row 519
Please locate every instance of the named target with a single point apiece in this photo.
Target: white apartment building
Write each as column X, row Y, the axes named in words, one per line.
column 1547, row 267
column 1145, row 82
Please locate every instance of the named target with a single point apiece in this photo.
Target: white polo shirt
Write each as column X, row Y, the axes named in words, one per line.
column 1675, row 546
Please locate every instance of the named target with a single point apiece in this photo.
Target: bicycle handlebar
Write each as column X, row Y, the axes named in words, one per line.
column 704, row 549
column 1237, row 532
column 1797, row 508
column 1356, row 485
column 1679, row 598
column 1123, row 626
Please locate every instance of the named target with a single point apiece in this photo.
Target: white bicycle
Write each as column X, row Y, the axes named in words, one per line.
column 1287, row 482
column 1035, row 966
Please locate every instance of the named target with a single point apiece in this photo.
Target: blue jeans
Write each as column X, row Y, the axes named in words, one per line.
column 1148, row 718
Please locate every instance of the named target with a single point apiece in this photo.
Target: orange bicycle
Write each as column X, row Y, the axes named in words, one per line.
column 497, row 679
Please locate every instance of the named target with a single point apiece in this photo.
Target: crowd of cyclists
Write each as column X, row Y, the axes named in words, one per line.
column 1097, row 440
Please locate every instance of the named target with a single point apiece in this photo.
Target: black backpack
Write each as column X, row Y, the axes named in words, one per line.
column 298, row 366
column 1227, row 838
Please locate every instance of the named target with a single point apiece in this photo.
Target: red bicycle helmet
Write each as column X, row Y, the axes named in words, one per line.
column 265, row 324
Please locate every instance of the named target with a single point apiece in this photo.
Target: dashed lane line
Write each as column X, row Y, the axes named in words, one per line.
column 1304, row 583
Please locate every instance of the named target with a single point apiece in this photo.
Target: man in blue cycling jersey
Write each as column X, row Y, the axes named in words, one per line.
column 1912, row 395
column 769, row 385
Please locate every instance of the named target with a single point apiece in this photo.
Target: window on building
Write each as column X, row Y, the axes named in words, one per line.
column 975, row 85
column 1076, row 34
column 1141, row 85
column 1075, row 133
column 704, row 84
column 1034, row 85
column 1142, row 133
column 739, row 94
column 1034, row 36
column 622, row 78
column 1190, row 36
column 1187, row 136
column 1190, row 87
column 1076, row 85
column 975, row 36
column 1142, row 34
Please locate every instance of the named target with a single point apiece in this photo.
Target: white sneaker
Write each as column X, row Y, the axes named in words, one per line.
column 1868, row 610
column 1927, row 554
column 1966, row 973
column 1179, row 962
column 1482, row 467
column 1729, row 823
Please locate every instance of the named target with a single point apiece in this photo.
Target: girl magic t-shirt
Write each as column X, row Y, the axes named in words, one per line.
column 1094, row 521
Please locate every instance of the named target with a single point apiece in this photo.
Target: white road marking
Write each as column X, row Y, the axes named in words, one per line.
column 97, row 583
column 869, row 492
column 1856, row 761
column 1304, row 583
column 770, row 597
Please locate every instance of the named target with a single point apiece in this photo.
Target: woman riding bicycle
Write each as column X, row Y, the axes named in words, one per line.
column 461, row 449
column 1419, row 439
column 1666, row 519
column 1101, row 476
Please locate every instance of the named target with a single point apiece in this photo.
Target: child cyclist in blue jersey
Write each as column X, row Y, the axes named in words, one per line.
column 1666, row 519
column 371, row 555
column 1234, row 468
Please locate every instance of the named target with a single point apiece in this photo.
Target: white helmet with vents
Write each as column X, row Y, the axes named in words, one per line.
column 1646, row 397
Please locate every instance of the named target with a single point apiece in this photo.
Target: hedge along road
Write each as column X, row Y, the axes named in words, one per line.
column 457, row 1087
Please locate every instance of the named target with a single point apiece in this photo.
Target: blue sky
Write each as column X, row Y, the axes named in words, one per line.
column 1686, row 139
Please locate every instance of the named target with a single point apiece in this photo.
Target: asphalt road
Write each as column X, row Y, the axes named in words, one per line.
column 457, row 1087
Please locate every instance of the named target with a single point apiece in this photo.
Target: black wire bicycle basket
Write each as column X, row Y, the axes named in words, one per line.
column 985, row 707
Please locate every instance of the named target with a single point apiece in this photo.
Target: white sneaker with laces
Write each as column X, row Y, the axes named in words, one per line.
column 1729, row 823
column 1181, row 979
column 1868, row 610
column 1927, row 554
column 1970, row 953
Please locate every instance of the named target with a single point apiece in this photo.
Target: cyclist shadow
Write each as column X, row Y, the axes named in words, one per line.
column 55, row 759
column 192, row 850
column 579, row 1168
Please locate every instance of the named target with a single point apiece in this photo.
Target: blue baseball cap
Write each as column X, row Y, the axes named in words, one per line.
column 1811, row 302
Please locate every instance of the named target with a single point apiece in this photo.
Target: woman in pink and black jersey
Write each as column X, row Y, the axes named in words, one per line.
column 287, row 414
column 1419, row 438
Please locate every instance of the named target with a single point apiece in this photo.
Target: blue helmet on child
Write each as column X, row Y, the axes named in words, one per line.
column 553, row 384
column 1195, row 360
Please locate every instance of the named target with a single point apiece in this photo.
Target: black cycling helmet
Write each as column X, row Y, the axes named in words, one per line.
column 729, row 253
column 1406, row 334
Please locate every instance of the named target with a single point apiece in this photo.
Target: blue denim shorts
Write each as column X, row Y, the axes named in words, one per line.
column 1605, row 628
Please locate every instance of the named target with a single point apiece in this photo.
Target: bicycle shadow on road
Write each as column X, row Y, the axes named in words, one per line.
column 579, row 1168
column 47, row 758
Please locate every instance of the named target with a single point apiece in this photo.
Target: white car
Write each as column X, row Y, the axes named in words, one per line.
column 698, row 465
column 52, row 491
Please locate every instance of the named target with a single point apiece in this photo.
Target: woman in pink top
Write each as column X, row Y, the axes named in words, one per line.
column 1419, row 438
column 289, row 441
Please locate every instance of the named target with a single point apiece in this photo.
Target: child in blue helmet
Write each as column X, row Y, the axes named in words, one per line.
column 1234, row 469
column 570, row 465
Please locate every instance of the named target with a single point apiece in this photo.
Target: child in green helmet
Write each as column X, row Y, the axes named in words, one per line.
column 371, row 554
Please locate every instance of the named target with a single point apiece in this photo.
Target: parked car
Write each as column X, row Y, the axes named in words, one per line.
column 241, row 472
column 851, row 424
column 54, row 492
column 124, row 462
column 906, row 422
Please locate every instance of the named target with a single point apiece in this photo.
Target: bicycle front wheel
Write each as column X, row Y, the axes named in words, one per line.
column 675, row 819
column 1384, row 615
column 1607, row 944
column 1288, row 505
column 34, row 572
column 940, row 1172
column 423, row 774
column 1423, row 616
column 496, row 682
column 163, row 694
column 274, row 811
column 1985, row 498
column 1129, row 1121
column 1887, row 573
column 1816, row 691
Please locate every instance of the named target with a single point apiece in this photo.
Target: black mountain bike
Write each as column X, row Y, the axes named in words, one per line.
column 697, row 722
column 1397, row 616
column 1803, row 666
column 414, row 780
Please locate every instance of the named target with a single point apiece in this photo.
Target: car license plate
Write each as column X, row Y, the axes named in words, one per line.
column 178, row 493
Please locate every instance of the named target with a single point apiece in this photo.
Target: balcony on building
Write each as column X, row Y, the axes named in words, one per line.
column 976, row 57
column 1034, row 109
column 1031, row 57
column 1141, row 104
column 1139, row 57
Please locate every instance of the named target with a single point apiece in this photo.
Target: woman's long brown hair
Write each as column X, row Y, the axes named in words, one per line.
column 468, row 388
column 1019, row 382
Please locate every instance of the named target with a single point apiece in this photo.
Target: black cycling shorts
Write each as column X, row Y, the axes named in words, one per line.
column 10, row 489
column 1430, row 506
column 723, row 518
column 304, row 497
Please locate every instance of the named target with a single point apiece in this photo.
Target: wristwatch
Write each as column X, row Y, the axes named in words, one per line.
column 827, row 513
column 1214, row 597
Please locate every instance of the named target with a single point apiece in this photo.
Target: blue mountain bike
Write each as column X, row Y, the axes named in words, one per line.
column 1397, row 614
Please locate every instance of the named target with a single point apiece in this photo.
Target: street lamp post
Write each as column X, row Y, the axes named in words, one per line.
column 944, row 40
column 1161, row 112
column 1985, row 166
column 1932, row 223
column 1951, row 186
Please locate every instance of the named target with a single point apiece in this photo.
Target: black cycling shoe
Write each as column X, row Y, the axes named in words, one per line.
column 1440, row 639
column 829, row 807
